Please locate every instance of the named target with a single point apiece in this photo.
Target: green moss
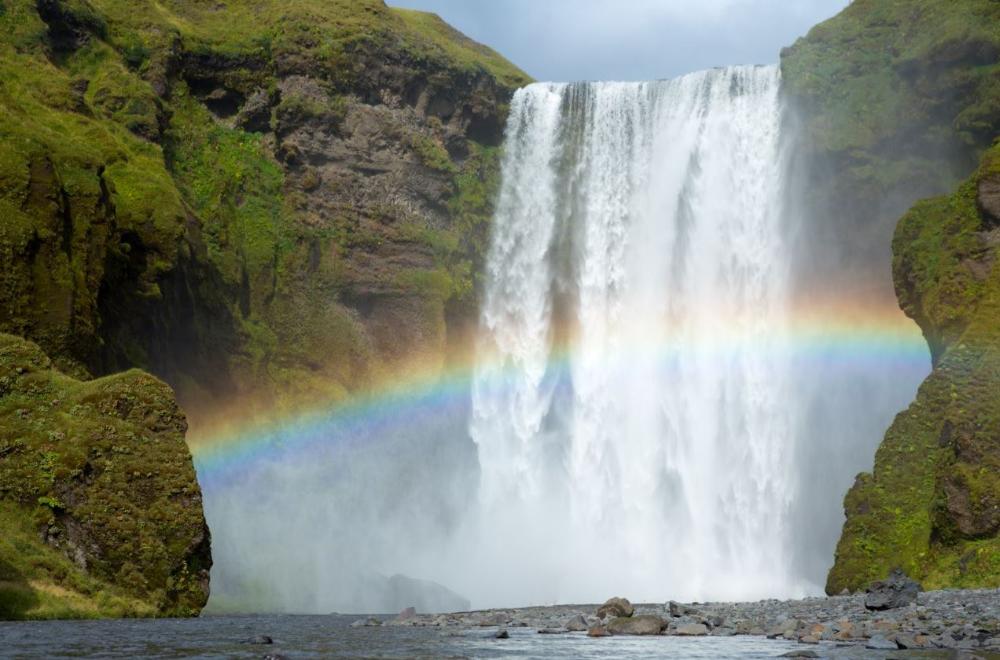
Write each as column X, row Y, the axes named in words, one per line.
column 115, row 176
column 930, row 505
column 432, row 153
column 39, row 582
column 234, row 186
column 432, row 37
column 101, row 471
column 881, row 67
column 295, row 108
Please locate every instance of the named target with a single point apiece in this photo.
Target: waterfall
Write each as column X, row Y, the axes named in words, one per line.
column 630, row 406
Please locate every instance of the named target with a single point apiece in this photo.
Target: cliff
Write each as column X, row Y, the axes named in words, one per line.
column 932, row 503
column 257, row 201
column 898, row 101
column 99, row 506
column 266, row 204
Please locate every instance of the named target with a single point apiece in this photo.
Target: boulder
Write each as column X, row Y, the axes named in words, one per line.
column 691, row 630
column 881, row 643
column 597, row 631
column 678, row 610
column 895, row 591
column 370, row 621
column 577, row 624
column 615, row 607
column 495, row 619
column 260, row 639
column 644, row 624
column 501, row 634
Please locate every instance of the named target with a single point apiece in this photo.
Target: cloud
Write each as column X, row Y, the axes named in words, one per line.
column 633, row 39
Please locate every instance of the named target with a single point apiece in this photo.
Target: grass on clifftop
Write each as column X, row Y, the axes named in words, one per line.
column 882, row 67
column 324, row 32
column 432, row 36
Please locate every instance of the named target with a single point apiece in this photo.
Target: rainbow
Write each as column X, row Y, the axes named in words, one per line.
column 831, row 337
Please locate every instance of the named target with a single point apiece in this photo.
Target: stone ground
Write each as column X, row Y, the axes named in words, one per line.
column 951, row 619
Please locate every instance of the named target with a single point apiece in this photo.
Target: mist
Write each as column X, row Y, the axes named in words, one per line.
column 677, row 474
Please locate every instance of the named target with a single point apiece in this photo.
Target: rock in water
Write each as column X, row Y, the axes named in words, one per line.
column 370, row 621
column 373, row 592
column 691, row 630
column 644, row 624
column 597, row 631
column 260, row 639
column 501, row 634
column 895, row 591
column 615, row 607
column 800, row 653
column 880, row 643
column 577, row 624
column 406, row 617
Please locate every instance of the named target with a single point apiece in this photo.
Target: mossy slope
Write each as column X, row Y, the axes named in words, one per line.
column 932, row 503
column 99, row 506
column 897, row 100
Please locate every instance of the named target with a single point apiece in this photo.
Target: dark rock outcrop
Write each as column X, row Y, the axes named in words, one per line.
column 895, row 591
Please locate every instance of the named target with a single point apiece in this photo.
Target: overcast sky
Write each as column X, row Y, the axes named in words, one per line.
column 565, row 40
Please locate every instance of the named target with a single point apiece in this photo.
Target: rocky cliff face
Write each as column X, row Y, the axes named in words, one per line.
column 265, row 201
column 99, row 506
column 265, row 204
column 932, row 503
column 898, row 101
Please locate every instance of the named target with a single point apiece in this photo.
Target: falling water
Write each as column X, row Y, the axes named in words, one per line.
column 631, row 417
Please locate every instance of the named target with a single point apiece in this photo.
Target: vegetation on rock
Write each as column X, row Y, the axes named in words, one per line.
column 931, row 506
column 99, row 505
column 258, row 201
column 245, row 198
column 897, row 100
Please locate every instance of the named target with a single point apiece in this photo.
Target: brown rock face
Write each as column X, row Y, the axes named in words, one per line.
column 988, row 199
column 615, row 607
column 275, row 226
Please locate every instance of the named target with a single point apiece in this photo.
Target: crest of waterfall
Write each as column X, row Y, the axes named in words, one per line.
column 631, row 419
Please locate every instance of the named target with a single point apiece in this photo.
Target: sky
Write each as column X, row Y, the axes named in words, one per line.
column 567, row 40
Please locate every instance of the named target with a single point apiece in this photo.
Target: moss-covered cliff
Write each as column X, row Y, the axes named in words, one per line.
column 99, row 507
column 932, row 503
column 252, row 199
column 897, row 101
column 263, row 203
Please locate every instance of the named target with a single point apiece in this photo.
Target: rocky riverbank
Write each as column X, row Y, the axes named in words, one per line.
column 951, row 619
